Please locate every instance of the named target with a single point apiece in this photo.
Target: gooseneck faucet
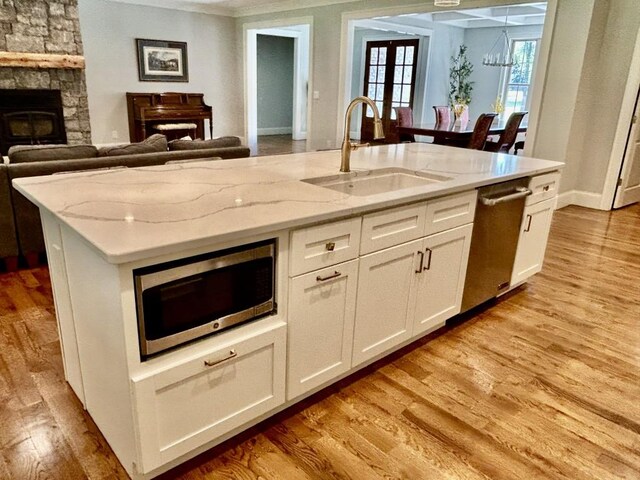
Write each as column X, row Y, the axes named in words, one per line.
column 347, row 145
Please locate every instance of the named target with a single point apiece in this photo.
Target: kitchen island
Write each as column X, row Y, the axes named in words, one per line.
column 100, row 226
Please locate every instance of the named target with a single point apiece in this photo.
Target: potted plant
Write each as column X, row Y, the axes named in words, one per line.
column 460, row 87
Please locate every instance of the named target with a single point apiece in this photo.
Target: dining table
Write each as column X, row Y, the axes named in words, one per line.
column 454, row 134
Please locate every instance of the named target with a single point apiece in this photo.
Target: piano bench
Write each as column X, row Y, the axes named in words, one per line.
column 177, row 130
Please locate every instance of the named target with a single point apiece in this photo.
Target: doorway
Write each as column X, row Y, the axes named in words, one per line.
column 389, row 80
column 300, row 33
column 628, row 187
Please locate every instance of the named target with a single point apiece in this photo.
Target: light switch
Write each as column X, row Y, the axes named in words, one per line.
column 316, row 94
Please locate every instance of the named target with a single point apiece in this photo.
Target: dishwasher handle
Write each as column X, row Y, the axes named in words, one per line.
column 520, row 192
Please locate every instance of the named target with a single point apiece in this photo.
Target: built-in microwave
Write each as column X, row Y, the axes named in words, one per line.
column 187, row 299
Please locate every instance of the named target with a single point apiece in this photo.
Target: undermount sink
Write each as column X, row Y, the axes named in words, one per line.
column 372, row 182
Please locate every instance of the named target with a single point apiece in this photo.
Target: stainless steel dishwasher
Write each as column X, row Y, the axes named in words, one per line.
column 496, row 229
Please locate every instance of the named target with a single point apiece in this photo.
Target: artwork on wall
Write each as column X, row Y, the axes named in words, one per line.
column 162, row 61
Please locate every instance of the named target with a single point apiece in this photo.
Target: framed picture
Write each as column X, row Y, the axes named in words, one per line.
column 162, row 61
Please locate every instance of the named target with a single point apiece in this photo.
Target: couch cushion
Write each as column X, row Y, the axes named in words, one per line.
column 155, row 143
column 39, row 153
column 220, row 142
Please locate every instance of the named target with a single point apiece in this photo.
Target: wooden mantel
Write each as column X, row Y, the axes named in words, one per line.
column 40, row 60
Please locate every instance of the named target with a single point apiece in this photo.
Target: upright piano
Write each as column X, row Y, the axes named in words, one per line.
column 147, row 111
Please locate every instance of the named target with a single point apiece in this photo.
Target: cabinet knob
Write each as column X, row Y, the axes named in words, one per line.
column 330, row 246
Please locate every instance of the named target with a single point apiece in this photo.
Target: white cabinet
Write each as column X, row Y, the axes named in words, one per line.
column 439, row 287
column 321, row 313
column 183, row 407
column 386, row 292
column 412, row 288
column 534, row 232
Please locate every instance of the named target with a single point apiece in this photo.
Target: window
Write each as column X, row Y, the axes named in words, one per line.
column 515, row 94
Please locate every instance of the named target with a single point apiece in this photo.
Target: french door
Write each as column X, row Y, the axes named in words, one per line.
column 389, row 80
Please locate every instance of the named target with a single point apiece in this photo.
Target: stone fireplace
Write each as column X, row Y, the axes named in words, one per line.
column 37, row 39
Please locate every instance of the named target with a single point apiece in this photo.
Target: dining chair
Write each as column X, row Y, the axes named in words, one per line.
column 508, row 137
column 443, row 114
column 404, row 116
column 480, row 131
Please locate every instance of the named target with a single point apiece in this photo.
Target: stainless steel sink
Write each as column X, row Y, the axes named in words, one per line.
column 372, row 182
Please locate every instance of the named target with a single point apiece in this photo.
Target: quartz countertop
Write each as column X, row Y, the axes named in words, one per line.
column 131, row 214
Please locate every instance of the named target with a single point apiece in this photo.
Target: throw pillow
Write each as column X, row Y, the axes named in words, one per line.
column 155, row 143
column 221, row 142
column 40, row 153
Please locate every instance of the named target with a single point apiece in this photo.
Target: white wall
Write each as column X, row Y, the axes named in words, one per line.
column 487, row 79
column 275, row 84
column 109, row 30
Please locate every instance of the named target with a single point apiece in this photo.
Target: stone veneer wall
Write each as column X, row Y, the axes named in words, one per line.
column 47, row 26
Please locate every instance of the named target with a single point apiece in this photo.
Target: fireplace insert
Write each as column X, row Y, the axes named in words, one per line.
column 31, row 117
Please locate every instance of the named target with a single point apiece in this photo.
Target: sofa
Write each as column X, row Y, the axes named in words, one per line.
column 20, row 227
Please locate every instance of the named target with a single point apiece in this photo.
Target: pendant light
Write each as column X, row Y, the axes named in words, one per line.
column 446, row 3
column 500, row 54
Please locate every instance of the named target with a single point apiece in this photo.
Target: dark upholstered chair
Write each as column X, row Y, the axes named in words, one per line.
column 404, row 116
column 508, row 137
column 443, row 114
column 480, row 131
column 518, row 146
column 8, row 238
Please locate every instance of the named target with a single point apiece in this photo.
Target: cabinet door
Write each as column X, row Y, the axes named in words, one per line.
column 439, row 286
column 321, row 313
column 185, row 406
column 532, row 244
column 385, row 295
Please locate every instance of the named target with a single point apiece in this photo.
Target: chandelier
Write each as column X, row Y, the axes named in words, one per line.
column 446, row 3
column 500, row 54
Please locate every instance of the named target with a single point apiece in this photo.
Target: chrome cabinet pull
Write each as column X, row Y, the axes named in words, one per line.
column 211, row 363
column 330, row 246
column 335, row 274
column 429, row 252
column 419, row 269
column 528, row 223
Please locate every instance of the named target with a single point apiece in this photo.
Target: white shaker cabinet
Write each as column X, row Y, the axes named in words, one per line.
column 321, row 313
column 386, row 293
column 439, row 286
column 534, row 232
column 183, row 407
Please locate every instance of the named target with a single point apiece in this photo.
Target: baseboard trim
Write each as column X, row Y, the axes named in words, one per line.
column 275, row 131
column 580, row 198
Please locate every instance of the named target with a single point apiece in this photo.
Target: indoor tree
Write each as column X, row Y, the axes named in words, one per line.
column 459, row 85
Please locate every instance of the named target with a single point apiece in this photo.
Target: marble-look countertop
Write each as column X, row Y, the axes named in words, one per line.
column 137, row 213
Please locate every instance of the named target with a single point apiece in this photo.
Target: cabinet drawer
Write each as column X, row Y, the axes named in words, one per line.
column 450, row 212
column 543, row 187
column 392, row 227
column 324, row 245
column 188, row 405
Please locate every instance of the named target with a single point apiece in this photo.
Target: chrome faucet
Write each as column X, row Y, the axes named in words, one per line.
column 347, row 145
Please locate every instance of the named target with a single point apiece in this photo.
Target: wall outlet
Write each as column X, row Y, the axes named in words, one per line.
column 316, row 95
column 114, row 135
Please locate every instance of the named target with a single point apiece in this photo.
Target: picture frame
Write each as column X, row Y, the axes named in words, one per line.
column 162, row 61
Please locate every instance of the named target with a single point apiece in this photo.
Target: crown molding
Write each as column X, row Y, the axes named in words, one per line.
column 285, row 5
column 183, row 5
column 212, row 9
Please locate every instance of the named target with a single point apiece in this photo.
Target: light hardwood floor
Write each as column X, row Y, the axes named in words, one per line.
column 543, row 384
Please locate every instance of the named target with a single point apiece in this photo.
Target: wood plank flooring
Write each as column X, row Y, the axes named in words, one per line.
column 279, row 145
column 544, row 383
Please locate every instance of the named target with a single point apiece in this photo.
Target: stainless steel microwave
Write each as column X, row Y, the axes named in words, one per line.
column 184, row 300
